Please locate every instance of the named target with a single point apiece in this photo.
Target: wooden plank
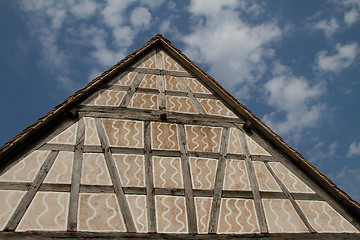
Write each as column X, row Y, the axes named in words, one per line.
column 130, row 93
column 154, row 115
column 159, row 71
column 115, row 178
column 263, row 158
column 237, row 194
column 199, row 108
column 166, row 153
column 176, row 93
column 170, row 191
column 59, row 147
column 189, row 194
column 204, row 155
column 290, row 197
column 147, row 90
column 161, row 83
column 135, row 236
column 205, row 95
column 254, row 185
column 203, row 193
column 144, row 70
column 30, row 194
column 75, row 177
column 235, row 156
column 219, row 179
column 159, row 59
column 116, row 87
column 176, row 73
column 149, row 180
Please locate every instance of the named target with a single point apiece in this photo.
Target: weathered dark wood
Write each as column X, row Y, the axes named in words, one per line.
column 159, row 59
column 306, row 196
column 254, row 185
column 30, row 194
column 76, row 177
column 129, row 94
column 149, row 180
column 237, row 194
column 135, row 236
column 158, row 72
column 154, row 115
column 199, row 108
column 290, row 197
column 235, row 156
column 59, row 147
column 176, row 93
column 203, row 193
column 166, row 153
column 115, row 178
column 263, row 158
column 169, row 191
column 147, row 90
column 161, row 83
column 219, row 179
column 204, row 155
column 189, row 194
column 205, row 95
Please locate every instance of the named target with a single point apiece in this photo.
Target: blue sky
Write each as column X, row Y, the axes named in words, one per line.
column 294, row 64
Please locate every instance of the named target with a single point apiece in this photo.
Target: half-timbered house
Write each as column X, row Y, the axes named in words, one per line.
column 156, row 148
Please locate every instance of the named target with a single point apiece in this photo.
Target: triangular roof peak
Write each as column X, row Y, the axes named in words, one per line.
column 169, row 151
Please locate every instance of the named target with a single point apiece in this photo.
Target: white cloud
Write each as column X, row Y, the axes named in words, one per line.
column 113, row 12
column 329, row 27
column 322, row 152
column 350, row 17
column 343, row 58
column 84, row 8
column 346, row 178
column 354, row 149
column 152, row 3
column 293, row 97
column 124, row 36
column 140, row 17
column 234, row 50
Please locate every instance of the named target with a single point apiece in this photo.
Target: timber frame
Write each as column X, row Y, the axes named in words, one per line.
column 70, row 111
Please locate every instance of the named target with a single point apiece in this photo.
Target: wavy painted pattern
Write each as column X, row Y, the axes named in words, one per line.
column 281, row 216
column 26, row 169
column 68, row 136
column 124, row 133
column 171, row 64
column 203, row 172
column 131, row 169
column 171, row 214
column 149, row 61
column 61, row 169
column 99, row 212
column 91, row 134
column 164, row 136
column 47, row 211
column 167, row 172
column 292, row 183
column 203, row 138
column 265, row 179
column 237, row 216
column 125, row 79
column 9, row 202
column 172, row 84
column 179, row 104
column 234, row 145
column 94, row 170
column 255, row 148
column 236, row 177
column 109, row 98
column 137, row 205
column 323, row 218
column 203, row 209
column 216, row 107
column 144, row 101
column 149, row 81
column 196, row 86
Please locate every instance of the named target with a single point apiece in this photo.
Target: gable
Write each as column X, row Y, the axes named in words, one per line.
column 156, row 149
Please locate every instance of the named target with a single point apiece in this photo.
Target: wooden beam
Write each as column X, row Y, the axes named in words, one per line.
column 30, row 194
column 115, row 178
column 76, row 177
column 189, row 194
column 130, row 93
column 159, row 71
column 149, row 179
column 161, row 84
column 254, row 185
column 219, row 179
column 290, row 197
